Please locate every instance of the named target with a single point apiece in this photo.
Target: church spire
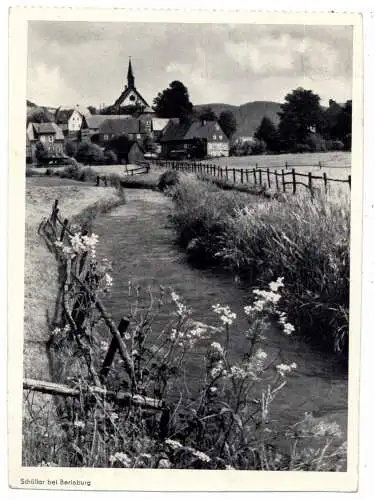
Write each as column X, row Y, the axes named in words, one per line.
column 131, row 78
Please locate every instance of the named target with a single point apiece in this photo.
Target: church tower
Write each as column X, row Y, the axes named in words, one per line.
column 130, row 97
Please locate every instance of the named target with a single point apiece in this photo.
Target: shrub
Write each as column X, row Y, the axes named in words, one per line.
column 335, row 145
column 110, row 157
column 301, row 148
column 316, row 142
column 258, row 147
column 71, row 148
column 168, row 179
column 91, row 154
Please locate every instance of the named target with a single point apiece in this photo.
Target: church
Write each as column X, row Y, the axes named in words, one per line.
column 130, row 96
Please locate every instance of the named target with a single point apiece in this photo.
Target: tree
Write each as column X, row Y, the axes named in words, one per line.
column 120, row 144
column 173, row 102
column 39, row 115
column 268, row 133
column 71, row 148
column 343, row 128
column 92, row 110
column 207, row 113
column 300, row 115
column 41, row 153
column 228, row 123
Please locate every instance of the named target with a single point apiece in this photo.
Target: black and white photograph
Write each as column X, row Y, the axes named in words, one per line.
column 187, row 282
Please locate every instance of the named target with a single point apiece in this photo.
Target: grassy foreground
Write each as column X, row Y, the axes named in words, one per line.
column 80, row 203
column 302, row 239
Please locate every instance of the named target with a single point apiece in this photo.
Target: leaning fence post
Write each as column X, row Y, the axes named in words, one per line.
column 277, row 179
column 283, row 179
column 122, row 327
column 97, row 180
column 226, row 172
column 260, row 176
column 65, row 225
column 255, row 176
column 241, row 175
column 55, row 211
column 294, row 180
column 350, row 181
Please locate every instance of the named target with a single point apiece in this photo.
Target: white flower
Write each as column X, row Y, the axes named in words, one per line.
column 202, row 456
column 213, row 390
column 226, row 315
column 275, row 285
column 283, row 368
column 216, row 347
column 79, row 424
column 120, row 457
column 237, row 373
column 104, row 346
column 288, row 328
column 260, row 354
column 173, row 443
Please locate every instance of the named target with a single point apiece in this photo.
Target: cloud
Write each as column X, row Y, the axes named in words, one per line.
column 217, row 62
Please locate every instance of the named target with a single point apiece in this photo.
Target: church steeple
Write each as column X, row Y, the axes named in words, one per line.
column 131, row 78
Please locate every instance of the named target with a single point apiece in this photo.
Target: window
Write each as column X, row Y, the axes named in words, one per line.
column 220, row 137
column 50, row 138
column 138, row 136
column 105, row 137
column 214, row 137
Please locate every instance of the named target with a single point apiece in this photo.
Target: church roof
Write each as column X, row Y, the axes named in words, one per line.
column 126, row 92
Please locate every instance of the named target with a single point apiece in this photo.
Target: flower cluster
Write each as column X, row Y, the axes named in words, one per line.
column 188, row 336
column 122, row 458
column 252, row 369
column 79, row 244
column 288, row 328
column 182, row 310
column 283, row 368
column 226, row 315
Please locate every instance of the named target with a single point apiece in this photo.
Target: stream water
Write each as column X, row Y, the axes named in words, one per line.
column 137, row 240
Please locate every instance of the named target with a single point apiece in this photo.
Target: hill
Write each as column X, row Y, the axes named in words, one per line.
column 248, row 115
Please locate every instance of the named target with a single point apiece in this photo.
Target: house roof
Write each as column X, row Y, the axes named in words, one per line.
column 188, row 131
column 120, row 126
column 94, row 121
column 34, row 130
column 63, row 113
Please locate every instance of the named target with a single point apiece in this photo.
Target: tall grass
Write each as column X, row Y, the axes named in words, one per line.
column 303, row 239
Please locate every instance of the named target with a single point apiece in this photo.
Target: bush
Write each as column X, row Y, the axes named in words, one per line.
column 168, row 179
column 258, row 147
column 71, row 148
column 335, row 145
column 110, row 157
column 301, row 148
column 316, row 143
column 302, row 239
column 90, row 154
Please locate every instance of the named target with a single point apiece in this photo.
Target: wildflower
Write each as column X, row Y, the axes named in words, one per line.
column 288, row 328
column 275, row 285
column 113, row 416
column 283, row 368
column 260, row 354
column 104, row 346
column 164, row 463
column 108, row 281
column 226, row 315
column 202, row 456
column 229, row 467
column 217, row 348
column 79, row 424
column 173, row 334
column 271, row 296
column 173, row 444
column 120, row 457
column 213, row 390
column 237, row 373
column 327, row 429
column 218, row 370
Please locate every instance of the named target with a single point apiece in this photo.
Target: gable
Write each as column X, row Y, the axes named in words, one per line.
column 130, row 97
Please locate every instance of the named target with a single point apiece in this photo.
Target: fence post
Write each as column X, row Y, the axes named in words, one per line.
column 320, row 164
column 283, row 179
column 277, row 179
column 286, row 165
column 55, row 211
column 247, row 176
column 98, row 180
column 241, row 175
column 105, row 180
column 226, row 172
column 122, row 327
column 65, row 225
column 234, row 175
column 255, row 176
column 294, row 180
column 268, row 178
column 350, row 181
column 260, row 176
column 310, row 182
column 325, row 181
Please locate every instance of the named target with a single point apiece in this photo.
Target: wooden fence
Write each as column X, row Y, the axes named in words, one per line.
column 268, row 177
column 141, row 168
column 56, row 230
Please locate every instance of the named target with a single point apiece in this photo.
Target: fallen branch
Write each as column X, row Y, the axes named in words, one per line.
column 66, row 391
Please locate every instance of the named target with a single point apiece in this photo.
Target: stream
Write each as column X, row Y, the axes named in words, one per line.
column 138, row 241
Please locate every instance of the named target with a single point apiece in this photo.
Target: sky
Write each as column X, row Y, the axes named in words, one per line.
column 86, row 62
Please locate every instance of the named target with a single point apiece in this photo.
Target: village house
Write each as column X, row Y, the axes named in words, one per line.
column 181, row 139
column 71, row 120
column 133, row 128
column 48, row 134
